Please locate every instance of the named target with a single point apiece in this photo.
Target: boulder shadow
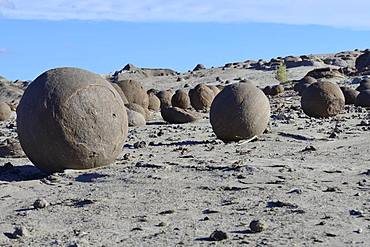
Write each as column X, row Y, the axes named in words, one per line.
column 10, row 173
column 90, row 177
column 181, row 143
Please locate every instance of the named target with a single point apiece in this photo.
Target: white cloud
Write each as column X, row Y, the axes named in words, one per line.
column 337, row 13
column 3, row 50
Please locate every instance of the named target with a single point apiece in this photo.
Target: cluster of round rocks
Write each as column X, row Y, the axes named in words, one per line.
column 69, row 118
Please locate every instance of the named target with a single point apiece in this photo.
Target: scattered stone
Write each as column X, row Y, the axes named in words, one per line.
column 218, row 236
column 11, row 149
column 140, row 144
column 355, row 212
column 20, row 232
column 199, row 67
column 240, row 111
column 276, row 89
column 175, row 115
column 322, row 99
column 51, row 135
column 257, row 226
column 40, row 203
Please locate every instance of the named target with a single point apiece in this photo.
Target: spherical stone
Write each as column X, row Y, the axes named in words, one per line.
column 181, row 99
column 322, row 99
column 303, row 84
column 165, row 97
column 69, row 118
column 363, row 61
column 240, row 111
column 175, row 115
column 135, row 119
column 5, row 111
column 201, row 97
column 154, row 102
column 120, row 92
column 257, row 226
column 40, row 203
column 134, row 92
column 350, row 95
column 363, row 99
column 276, row 89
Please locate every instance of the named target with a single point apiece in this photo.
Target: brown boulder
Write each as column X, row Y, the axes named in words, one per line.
column 175, row 115
column 322, row 99
column 201, row 97
column 134, row 92
column 240, row 111
column 181, row 99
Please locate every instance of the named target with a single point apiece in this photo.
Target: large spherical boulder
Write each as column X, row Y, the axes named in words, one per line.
column 165, row 97
column 322, row 99
column 363, row 99
column 175, row 115
column 5, row 111
column 181, row 99
column 201, row 97
column 350, row 95
column 120, row 92
column 154, row 102
column 70, row 118
column 134, row 92
column 240, row 111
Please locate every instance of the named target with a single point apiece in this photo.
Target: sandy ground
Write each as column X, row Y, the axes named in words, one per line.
column 307, row 179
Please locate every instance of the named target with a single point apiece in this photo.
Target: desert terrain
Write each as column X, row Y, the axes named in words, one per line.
column 306, row 179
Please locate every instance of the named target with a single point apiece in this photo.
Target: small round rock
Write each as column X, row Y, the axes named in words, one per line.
column 257, row 226
column 40, row 203
column 218, row 236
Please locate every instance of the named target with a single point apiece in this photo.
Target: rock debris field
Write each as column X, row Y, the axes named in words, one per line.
column 304, row 181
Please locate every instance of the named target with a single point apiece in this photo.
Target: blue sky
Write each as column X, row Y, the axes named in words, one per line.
column 103, row 36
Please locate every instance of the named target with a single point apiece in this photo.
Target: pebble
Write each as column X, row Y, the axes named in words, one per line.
column 218, row 236
column 21, row 232
column 40, row 203
column 257, row 226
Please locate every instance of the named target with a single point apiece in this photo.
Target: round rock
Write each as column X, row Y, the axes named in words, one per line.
column 363, row 99
column 134, row 92
column 181, row 99
column 154, row 102
column 322, row 99
column 201, row 97
column 175, row 115
column 165, row 97
column 240, row 111
column 5, row 111
column 135, row 119
column 350, row 95
column 70, row 118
